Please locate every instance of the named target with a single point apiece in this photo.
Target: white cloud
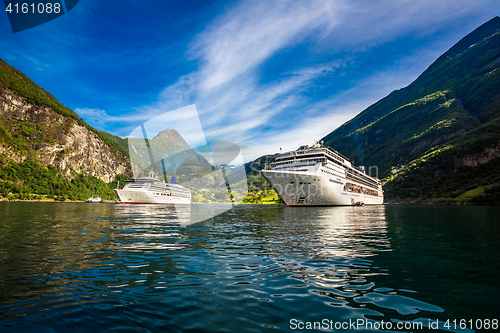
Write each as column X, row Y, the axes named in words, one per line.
column 332, row 112
column 234, row 103
column 100, row 116
column 251, row 33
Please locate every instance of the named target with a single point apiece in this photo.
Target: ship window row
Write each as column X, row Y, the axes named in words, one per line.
column 336, row 154
column 362, row 181
column 170, row 194
column 330, row 173
column 285, row 168
column 341, row 171
column 323, row 151
column 283, row 156
column 313, row 153
column 333, row 172
column 335, row 161
column 296, row 165
column 302, row 152
column 135, row 186
column 334, row 169
column 309, row 153
column 179, row 193
column 316, row 160
column 360, row 175
column 294, row 158
column 179, row 189
column 350, row 187
column 336, row 174
column 365, row 181
column 158, row 188
column 164, row 187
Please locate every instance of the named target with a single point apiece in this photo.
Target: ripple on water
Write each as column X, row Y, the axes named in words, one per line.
column 252, row 269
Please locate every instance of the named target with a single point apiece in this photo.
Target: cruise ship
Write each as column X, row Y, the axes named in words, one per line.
column 150, row 190
column 321, row 176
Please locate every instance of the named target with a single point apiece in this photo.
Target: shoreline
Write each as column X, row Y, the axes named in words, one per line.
column 45, row 200
column 272, row 204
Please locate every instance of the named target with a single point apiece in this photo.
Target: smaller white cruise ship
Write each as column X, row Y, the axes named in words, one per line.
column 150, row 190
column 321, row 176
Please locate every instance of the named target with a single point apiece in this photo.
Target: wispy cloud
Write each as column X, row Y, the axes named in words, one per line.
column 101, row 117
column 316, row 43
column 331, row 113
column 251, row 33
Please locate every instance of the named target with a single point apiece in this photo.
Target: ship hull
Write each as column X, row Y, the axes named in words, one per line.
column 149, row 197
column 312, row 189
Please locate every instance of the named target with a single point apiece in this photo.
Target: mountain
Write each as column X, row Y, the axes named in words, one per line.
column 40, row 136
column 439, row 137
column 48, row 151
column 122, row 143
column 258, row 189
column 169, row 152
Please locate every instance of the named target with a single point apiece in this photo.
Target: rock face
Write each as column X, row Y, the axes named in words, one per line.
column 480, row 158
column 37, row 131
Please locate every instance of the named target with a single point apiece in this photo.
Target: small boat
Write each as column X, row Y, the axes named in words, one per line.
column 94, row 200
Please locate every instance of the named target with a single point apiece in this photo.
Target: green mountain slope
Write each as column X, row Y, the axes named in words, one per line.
column 259, row 190
column 46, row 150
column 122, row 143
column 21, row 85
column 439, row 137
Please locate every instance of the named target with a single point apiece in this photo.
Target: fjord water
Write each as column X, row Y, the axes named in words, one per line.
column 118, row 268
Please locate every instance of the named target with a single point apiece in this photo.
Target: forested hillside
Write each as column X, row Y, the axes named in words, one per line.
column 47, row 150
column 439, row 138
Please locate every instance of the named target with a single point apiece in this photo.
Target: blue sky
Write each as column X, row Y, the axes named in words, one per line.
column 262, row 74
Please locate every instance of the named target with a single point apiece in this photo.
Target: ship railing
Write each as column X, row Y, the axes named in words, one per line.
column 312, row 160
column 131, row 185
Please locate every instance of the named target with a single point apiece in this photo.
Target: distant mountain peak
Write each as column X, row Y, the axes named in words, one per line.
column 171, row 134
column 167, row 132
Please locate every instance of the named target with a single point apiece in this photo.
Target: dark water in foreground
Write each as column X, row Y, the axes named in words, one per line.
column 75, row 267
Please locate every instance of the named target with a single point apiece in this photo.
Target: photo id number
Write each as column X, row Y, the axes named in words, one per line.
column 40, row 8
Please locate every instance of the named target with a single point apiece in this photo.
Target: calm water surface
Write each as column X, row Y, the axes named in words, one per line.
column 76, row 267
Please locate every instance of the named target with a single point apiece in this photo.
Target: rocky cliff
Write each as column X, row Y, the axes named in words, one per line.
column 34, row 125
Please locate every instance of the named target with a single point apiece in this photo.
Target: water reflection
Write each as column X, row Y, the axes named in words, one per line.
column 149, row 227
column 143, row 227
column 251, row 268
column 331, row 251
column 344, row 232
column 184, row 215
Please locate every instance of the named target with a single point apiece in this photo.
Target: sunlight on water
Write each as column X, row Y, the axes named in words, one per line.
column 254, row 268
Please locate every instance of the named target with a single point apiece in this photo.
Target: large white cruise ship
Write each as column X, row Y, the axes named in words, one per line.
column 149, row 190
column 321, row 176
